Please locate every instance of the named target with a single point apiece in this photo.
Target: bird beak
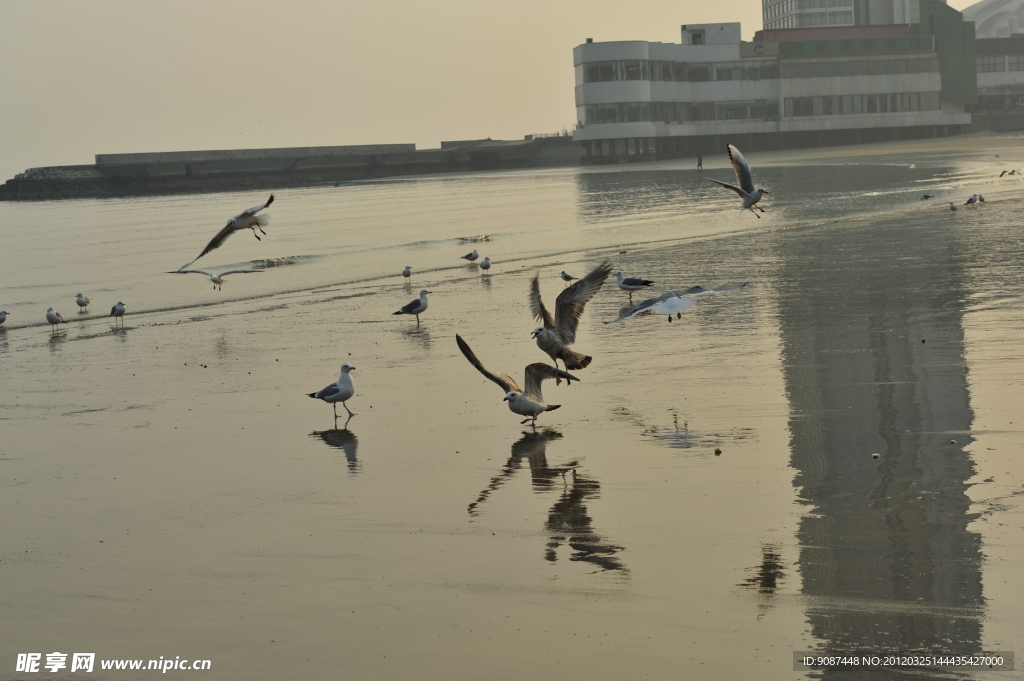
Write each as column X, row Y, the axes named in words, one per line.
column 764, row 191
column 504, row 399
column 533, row 334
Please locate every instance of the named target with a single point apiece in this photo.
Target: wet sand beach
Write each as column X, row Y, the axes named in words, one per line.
column 706, row 501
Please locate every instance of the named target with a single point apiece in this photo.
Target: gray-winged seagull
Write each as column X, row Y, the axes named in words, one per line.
column 54, row 318
column 82, row 301
column 117, row 312
column 631, row 284
column 245, row 220
column 341, row 390
column 217, row 277
column 416, row 307
column 744, row 180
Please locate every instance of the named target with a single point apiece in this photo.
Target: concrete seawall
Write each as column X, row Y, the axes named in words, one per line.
column 119, row 175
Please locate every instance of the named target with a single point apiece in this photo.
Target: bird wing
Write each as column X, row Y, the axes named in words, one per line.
column 224, row 274
column 409, row 307
column 1003, row 173
column 252, row 211
column 504, row 380
column 535, row 375
column 570, row 302
column 112, row 311
column 193, row 271
column 743, row 176
column 218, row 239
column 540, row 313
column 733, row 187
column 646, row 305
column 327, row 391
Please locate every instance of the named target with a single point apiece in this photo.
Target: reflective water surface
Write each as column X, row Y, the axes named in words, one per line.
column 825, row 459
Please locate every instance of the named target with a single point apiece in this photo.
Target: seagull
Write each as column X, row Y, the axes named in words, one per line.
column 82, row 301
column 667, row 303
column 117, row 312
column 567, row 277
column 927, row 196
column 3, row 316
column 1009, row 172
column 471, row 256
column 216, row 277
column 54, row 318
column 952, row 206
column 486, row 264
column 529, row 402
column 416, row 307
column 407, row 272
column 559, row 332
column 972, row 200
column 341, row 390
column 244, row 220
column 981, row 199
column 744, row 179
column 632, row 283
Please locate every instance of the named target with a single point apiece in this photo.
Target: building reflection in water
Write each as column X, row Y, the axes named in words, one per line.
column 346, row 441
column 569, row 523
column 870, row 320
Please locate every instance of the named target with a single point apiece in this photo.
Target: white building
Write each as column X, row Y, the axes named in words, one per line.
column 779, row 14
column 637, row 99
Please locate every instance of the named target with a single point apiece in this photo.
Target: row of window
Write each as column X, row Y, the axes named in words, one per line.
column 858, row 67
column 810, row 19
column 642, row 69
column 839, row 105
column 680, row 112
column 1010, row 62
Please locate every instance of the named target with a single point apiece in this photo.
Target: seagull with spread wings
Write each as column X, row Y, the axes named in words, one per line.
column 217, row 277
column 529, row 402
column 245, row 220
column 744, row 180
column 559, row 332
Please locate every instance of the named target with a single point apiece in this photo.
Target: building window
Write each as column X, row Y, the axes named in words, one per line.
column 697, row 38
column 840, row 18
column 991, row 64
column 1016, row 62
column 697, row 73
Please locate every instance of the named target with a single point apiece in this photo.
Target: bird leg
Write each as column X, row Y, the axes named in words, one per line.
column 755, row 213
column 670, row 319
column 350, row 412
column 255, row 234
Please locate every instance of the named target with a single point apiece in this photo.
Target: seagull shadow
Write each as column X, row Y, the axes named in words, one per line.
column 57, row 340
column 569, row 523
column 419, row 334
column 345, row 440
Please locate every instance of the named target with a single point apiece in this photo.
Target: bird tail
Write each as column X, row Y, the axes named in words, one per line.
column 263, row 220
column 313, row 395
column 399, row 312
column 552, row 407
column 576, row 360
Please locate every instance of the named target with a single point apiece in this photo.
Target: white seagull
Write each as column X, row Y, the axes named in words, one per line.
column 529, row 402
column 632, row 283
column 54, row 318
column 82, row 301
column 407, row 272
column 117, row 312
column 559, row 332
column 3, row 316
column 417, row 307
column 971, row 201
column 245, row 220
column 566, row 277
column 471, row 256
column 744, row 180
column 486, row 264
column 670, row 302
column 217, row 277
column 341, row 390
column 952, row 206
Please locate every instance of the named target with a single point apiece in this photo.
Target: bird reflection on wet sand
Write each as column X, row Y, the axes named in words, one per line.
column 346, row 441
column 766, row 578
column 569, row 523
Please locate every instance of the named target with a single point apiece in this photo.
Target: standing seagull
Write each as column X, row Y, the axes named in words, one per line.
column 971, row 201
column 471, row 256
column 486, row 264
column 567, row 277
column 632, row 284
column 3, row 316
column 407, row 272
column 117, row 312
column 416, row 307
column 952, row 206
column 981, row 199
column 82, row 301
column 216, row 277
column 529, row 402
column 744, row 179
column 559, row 332
column 244, row 220
column 341, row 390
column 54, row 318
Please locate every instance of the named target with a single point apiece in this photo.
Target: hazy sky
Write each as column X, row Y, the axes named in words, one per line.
column 81, row 77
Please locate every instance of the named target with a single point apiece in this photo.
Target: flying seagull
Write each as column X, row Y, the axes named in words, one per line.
column 927, row 196
column 559, row 332
column 1009, row 172
column 117, row 312
column 471, row 256
column 416, row 307
column 341, row 390
column 54, row 318
column 529, row 402
column 82, row 301
column 670, row 302
column 244, row 220
column 216, row 277
column 744, row 180
column 632, row 283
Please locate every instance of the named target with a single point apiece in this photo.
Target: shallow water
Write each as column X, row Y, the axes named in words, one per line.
column 170, row 486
